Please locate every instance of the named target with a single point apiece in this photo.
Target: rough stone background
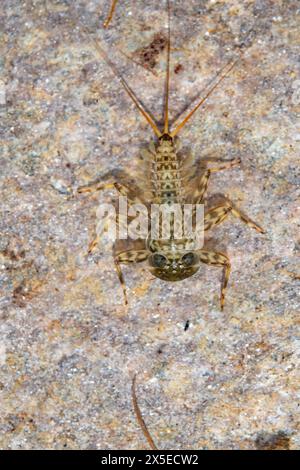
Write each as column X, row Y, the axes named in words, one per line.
column 68, row 346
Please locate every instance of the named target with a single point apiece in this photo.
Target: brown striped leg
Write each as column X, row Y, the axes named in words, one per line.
column 130, row 193
column 203, row 183
column 216, row 215
column 90, row 189
column 201, row 187
column 220, row 166
column 94, row 243
column 127, row 257
column 93, row 188
column 217, row 259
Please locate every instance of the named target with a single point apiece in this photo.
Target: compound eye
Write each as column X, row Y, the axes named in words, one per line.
column 159, row 260
column 188, row 259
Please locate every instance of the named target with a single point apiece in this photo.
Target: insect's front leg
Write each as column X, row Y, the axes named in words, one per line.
column 215, row 258
column 216, row 215
column 127, row 257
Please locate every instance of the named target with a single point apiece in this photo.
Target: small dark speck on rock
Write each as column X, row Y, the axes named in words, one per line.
column 178, row 68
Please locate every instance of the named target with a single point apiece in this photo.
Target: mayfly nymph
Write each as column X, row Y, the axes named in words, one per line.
column 172, row 179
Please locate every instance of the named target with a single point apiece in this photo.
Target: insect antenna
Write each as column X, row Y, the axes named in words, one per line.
column 110, row 14
column 139, row 416
column 118, row 75
column 167, row 86
column 222, row 74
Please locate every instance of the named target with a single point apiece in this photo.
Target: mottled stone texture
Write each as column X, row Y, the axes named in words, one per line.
column 68, row 346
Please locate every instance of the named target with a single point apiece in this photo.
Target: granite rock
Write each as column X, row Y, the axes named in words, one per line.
column 68, row 346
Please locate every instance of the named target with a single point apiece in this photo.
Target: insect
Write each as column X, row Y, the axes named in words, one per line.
column 171, row 179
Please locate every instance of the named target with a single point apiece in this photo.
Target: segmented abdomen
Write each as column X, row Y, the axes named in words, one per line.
column 166, row 175
column 167, row 185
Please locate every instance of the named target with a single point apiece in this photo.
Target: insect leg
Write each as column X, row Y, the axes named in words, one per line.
column 217, row 259
column 122, row 189
column 92, row 188
column 95, row 242
column 130, row 193
column 126, row 257
column 201, row 189
column 139, row 416
column 225, row 165
column 216, row 215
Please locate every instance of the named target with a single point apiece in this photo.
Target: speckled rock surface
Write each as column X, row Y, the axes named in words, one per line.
column 68, row 346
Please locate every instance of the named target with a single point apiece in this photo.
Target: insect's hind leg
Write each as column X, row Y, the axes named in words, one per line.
column 93, row 188
column 220, row 166
column 217, row 259
column 201, row 189
column 216, row 215
column 130, row 192
column 122, row 189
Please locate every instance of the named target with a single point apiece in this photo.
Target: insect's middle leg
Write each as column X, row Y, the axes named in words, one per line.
column 216, row 215
column 217, row 259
